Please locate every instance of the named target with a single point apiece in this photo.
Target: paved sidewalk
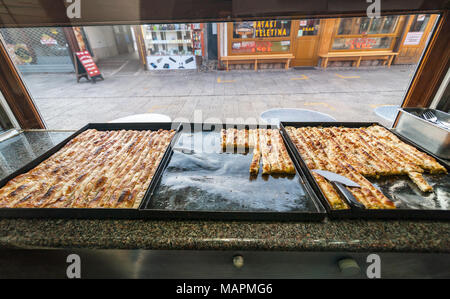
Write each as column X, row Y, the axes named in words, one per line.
column 346, row 94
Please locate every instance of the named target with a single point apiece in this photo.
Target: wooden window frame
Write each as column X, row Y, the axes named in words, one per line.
column 16, row 94
column 432, row 67
column 231, row 40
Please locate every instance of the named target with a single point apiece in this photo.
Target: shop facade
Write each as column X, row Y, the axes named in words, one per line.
column 173, row 46
column 310, row 40
column 38, row 49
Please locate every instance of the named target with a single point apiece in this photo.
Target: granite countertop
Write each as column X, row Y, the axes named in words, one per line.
column 330, row 235
column 404, row 236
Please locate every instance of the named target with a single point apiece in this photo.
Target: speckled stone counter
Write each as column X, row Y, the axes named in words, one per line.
column 349, row 235
column 405, row 236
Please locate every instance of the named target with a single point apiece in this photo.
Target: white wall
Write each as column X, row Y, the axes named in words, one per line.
column 102, row 41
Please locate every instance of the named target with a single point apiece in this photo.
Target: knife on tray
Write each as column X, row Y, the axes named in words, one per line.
column 339, row 182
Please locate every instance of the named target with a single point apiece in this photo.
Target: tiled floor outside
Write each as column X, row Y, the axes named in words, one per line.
column 348, row 94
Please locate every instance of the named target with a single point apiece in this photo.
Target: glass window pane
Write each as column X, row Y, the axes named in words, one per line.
column 33, row 49
column 244, row 30
column 5, row 122
column 361, row 43
column 419, row 23
column 364, row 25
column 375, row 27
column 174, row 69
column 247, row 47
column 168, row 39
column 390, row 24
column 308, row 27
column 345, row 26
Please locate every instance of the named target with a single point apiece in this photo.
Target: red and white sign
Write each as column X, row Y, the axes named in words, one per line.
column 88, row 63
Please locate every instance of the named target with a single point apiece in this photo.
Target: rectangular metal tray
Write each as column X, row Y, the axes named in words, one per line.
column 399, row 213
column 434, row 138
column 157, row 206
column 86, row 213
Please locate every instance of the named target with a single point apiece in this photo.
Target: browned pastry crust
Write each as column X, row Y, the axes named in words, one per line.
column 331, row 195
column 359, row 152
column 254, row 142
column 95, row 169
column 268, row 146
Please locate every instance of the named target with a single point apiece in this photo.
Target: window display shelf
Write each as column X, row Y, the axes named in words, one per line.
column 170, row 48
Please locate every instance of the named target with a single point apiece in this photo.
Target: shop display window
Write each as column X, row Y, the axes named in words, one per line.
column 259, row 37
column 261, row 29
column 248, row 47
column 361, row 43
column 168, row 39
column 366, row 33
column 354, row 26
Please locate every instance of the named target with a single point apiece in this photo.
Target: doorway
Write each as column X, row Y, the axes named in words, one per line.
column 306, row 42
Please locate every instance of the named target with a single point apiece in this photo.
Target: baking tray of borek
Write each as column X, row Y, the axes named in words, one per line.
column 409, row 201
column 47, row 196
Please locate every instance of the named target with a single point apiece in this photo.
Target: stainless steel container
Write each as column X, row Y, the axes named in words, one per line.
column 430, row 136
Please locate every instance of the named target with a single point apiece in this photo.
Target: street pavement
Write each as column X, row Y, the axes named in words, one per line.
column 347, row 94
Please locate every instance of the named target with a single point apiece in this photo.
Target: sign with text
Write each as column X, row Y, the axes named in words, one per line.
column 271, row 29
column 262, row 29
column 413, row 38
column 88, row 63
column 360, row 43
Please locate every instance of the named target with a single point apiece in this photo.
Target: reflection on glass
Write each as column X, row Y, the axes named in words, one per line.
column 350, row 26
column 419, row 23
column 345, row 27
column 364, row 25
column 375, row 27
column 260, row 46
column 5, row 123
column 390, row 22
column 308, row 27
column 362, row 43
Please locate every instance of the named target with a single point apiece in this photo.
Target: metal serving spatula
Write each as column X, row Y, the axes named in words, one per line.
column 339, row 181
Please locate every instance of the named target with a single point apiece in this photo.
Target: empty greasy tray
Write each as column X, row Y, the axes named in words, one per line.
column 202, row 181
column 89, row 213
column 409, row 200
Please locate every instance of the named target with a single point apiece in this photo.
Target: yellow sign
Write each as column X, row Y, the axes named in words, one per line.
column 269, row 29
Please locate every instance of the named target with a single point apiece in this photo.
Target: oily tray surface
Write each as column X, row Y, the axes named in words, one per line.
column 405, row 194
column 202, row 177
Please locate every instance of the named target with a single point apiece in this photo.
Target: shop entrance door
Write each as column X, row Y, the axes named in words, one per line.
column 306, row 42
column 418, row 29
